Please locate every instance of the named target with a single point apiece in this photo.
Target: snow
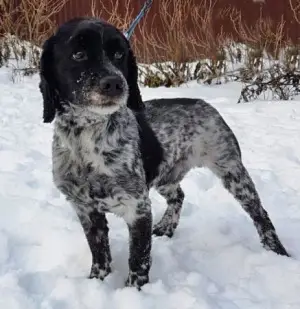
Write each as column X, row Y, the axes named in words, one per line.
column 214, row 260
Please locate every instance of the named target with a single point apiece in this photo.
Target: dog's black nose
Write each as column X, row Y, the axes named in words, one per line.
column 111, row 86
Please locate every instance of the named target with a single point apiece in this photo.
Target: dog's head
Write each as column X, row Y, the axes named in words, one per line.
column 88, row 63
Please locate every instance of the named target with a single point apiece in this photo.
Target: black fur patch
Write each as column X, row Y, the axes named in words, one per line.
column 151, row 149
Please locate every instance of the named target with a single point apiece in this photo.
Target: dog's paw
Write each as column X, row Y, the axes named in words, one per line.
column 99, row 272
column 135, row 280
column 161, row 229
column 276, row 246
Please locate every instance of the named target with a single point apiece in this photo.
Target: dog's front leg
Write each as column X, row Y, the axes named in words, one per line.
column 140, row 230
column 95, row 227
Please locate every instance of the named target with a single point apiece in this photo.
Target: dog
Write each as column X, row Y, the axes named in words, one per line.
column 109, row 147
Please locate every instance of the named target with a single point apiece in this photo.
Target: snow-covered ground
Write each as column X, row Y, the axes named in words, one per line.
column 214, row 260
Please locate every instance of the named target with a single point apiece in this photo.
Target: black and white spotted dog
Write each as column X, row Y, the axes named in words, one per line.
column 110, row 147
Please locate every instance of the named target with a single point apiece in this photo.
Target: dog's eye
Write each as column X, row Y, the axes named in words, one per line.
column 79, row 56
column 118, row 55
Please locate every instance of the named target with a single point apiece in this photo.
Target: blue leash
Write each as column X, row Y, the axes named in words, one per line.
column 142, row 13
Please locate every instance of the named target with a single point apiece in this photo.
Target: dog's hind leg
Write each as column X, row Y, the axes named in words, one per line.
column 238, row 182
column 174, row 197
column 96, row 230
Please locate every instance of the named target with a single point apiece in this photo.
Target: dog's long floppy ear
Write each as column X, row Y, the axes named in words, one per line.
column 135, row 101
column 48, row 81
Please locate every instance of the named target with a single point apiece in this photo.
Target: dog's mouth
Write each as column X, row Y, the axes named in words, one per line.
column 101, row 104
column 109, row 104
column 97, row 99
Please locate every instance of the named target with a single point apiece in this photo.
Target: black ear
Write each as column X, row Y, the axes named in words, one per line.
column 135, row 101
column 48, row 81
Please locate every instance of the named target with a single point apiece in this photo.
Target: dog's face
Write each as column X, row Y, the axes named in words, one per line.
column 88, row 64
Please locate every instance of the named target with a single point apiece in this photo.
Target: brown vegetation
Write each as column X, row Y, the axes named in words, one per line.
column 30, row 19
column 181, row 32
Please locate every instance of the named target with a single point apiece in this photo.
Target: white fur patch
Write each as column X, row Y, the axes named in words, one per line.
column 126, row 211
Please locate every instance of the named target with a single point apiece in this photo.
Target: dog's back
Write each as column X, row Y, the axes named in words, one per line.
column 190, row 131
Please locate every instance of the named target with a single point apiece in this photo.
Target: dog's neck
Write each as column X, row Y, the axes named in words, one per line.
column 79, row 117
column 87, row 139
column 77, row 122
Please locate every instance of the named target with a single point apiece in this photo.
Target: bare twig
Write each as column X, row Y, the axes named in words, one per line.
column 296, row 10
column 119, row 12
column 30, row 19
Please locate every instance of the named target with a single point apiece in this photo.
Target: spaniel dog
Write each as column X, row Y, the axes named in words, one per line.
column 109, row 147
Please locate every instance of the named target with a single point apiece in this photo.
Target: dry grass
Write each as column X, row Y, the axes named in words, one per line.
column 180, row 32
column 119, row 12
column 177, row 45
column 263, row 35
column 30, row 20
column 173, row 39
column 183, row 31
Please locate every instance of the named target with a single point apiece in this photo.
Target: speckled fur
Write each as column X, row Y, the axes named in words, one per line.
column 194, row 134
column 105, row 159
column 98, row 167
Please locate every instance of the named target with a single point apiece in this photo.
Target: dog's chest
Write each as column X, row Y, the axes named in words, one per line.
column 80, row 167
column 85, row 152
column 98, row 166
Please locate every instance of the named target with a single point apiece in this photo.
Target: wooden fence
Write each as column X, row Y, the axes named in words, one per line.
column 278, row 11
column 251, row 11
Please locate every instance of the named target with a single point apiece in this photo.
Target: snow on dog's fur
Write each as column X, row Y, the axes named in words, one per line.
column 110, row 147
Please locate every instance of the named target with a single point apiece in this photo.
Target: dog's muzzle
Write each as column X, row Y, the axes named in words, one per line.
column 111, row 86
column 107, row 91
